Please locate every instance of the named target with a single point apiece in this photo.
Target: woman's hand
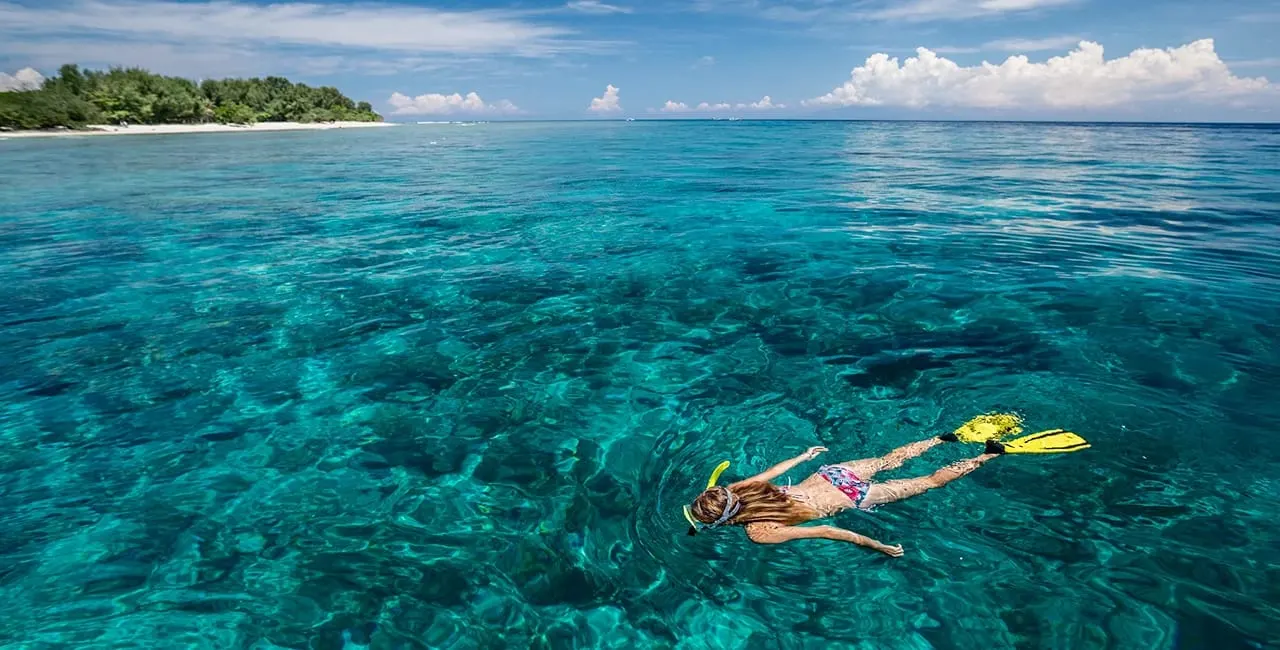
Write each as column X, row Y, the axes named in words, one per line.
column 812, row 453
column 891, row 551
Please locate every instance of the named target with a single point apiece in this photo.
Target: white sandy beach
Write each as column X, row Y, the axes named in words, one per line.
column 170, row 129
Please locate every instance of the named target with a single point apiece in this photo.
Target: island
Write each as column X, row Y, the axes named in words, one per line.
column 127, row 99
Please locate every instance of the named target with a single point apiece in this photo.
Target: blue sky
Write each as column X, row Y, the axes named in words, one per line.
column 495, row 59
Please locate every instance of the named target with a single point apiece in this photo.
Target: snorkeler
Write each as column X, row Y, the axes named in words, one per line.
column 770, row 513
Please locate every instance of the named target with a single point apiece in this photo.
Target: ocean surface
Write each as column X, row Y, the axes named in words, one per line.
column 448, row 386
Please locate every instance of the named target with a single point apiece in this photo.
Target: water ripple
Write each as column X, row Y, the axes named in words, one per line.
column 448, row 387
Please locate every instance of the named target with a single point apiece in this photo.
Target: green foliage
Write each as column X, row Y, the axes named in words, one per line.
column 77, row 97
column 318, row 115
column 68, row 79
column 45, row 109
column 235, row 114
column 276, row 99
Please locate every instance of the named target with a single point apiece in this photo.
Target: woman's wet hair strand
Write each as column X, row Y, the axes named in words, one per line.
column 761, row 502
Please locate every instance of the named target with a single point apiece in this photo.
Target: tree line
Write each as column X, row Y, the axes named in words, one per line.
column 75, row 98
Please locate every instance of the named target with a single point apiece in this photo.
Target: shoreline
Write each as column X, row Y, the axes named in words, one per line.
column 174, row 129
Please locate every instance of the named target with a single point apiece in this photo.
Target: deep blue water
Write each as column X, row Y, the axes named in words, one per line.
column 448, row 387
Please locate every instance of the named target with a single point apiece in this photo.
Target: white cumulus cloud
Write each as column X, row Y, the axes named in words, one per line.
column 606, row 103
column 439, row 104
column 1080, row 79
column 765, row 103
column 24, row 79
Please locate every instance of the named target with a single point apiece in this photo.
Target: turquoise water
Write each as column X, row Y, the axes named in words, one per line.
column 448, row 387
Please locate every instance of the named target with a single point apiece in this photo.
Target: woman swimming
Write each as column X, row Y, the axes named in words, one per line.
column 769, row 513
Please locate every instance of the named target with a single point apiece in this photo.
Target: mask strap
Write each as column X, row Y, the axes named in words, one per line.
column 731, row 507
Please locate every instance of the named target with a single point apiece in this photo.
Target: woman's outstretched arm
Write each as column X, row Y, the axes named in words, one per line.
column 783, row 467
column 777, row 534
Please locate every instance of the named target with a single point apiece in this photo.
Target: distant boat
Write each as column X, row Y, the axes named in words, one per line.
column 631, row 119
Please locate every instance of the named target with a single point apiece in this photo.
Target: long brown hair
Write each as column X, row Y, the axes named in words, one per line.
column 760, row 501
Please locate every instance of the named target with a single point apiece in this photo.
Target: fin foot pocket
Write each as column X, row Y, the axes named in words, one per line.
column 989, row 425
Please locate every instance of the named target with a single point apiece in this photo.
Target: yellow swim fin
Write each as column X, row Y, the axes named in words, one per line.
column 1053, row 441
column 988, row 426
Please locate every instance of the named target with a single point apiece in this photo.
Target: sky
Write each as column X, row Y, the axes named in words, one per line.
column 418, row 60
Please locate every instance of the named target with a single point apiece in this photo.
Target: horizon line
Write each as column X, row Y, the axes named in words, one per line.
column 850, row 119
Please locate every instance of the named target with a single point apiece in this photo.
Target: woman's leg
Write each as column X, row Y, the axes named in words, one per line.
column 890, row 491
column 867, row 467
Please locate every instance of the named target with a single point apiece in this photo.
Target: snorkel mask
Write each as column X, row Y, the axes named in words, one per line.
column 731, row 505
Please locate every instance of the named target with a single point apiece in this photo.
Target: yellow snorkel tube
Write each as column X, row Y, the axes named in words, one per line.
column 694, row 524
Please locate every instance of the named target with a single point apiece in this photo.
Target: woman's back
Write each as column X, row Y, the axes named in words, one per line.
column 819, row 495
